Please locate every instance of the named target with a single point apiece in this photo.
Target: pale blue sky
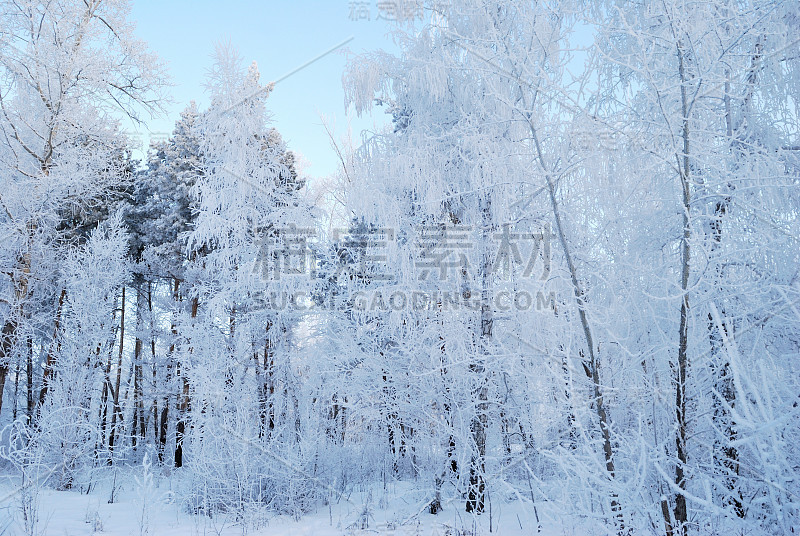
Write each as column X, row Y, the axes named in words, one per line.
column 280, row 36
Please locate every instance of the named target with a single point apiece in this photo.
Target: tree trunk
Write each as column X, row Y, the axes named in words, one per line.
column 479, row 423
column 183, row 405
column 55, row 348
column 30, row 398
column 104, row 413
column 137, row 426
column 267, row 386
column 117, row 413
column 7, row 337
column 681, row 513
column 726, row 456
column 170, row 363
column 592, row 366
column 152, row 336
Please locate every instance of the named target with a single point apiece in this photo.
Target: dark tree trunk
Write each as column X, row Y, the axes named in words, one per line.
column 6, row 343
column 680, row 510
column 183, row 405
column 30, row 398
column 55, row 348
column 476, row 493
column 117, row 412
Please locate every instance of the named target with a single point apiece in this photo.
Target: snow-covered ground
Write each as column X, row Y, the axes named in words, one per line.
column 398, row 511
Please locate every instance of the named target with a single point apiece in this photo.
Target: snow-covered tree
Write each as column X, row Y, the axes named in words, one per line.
column 705, row 97
column 451, row 169
column 67, row 67
column 251, row 218
column 68, row 432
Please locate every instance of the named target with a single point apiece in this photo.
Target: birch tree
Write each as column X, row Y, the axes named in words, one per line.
column 66, row 68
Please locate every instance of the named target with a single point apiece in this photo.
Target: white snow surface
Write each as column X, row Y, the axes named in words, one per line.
column 399, row 510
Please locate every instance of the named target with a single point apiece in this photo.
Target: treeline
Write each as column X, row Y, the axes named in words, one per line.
column 565, row 274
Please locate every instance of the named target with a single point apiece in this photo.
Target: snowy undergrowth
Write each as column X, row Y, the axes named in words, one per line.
column 152, row 503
